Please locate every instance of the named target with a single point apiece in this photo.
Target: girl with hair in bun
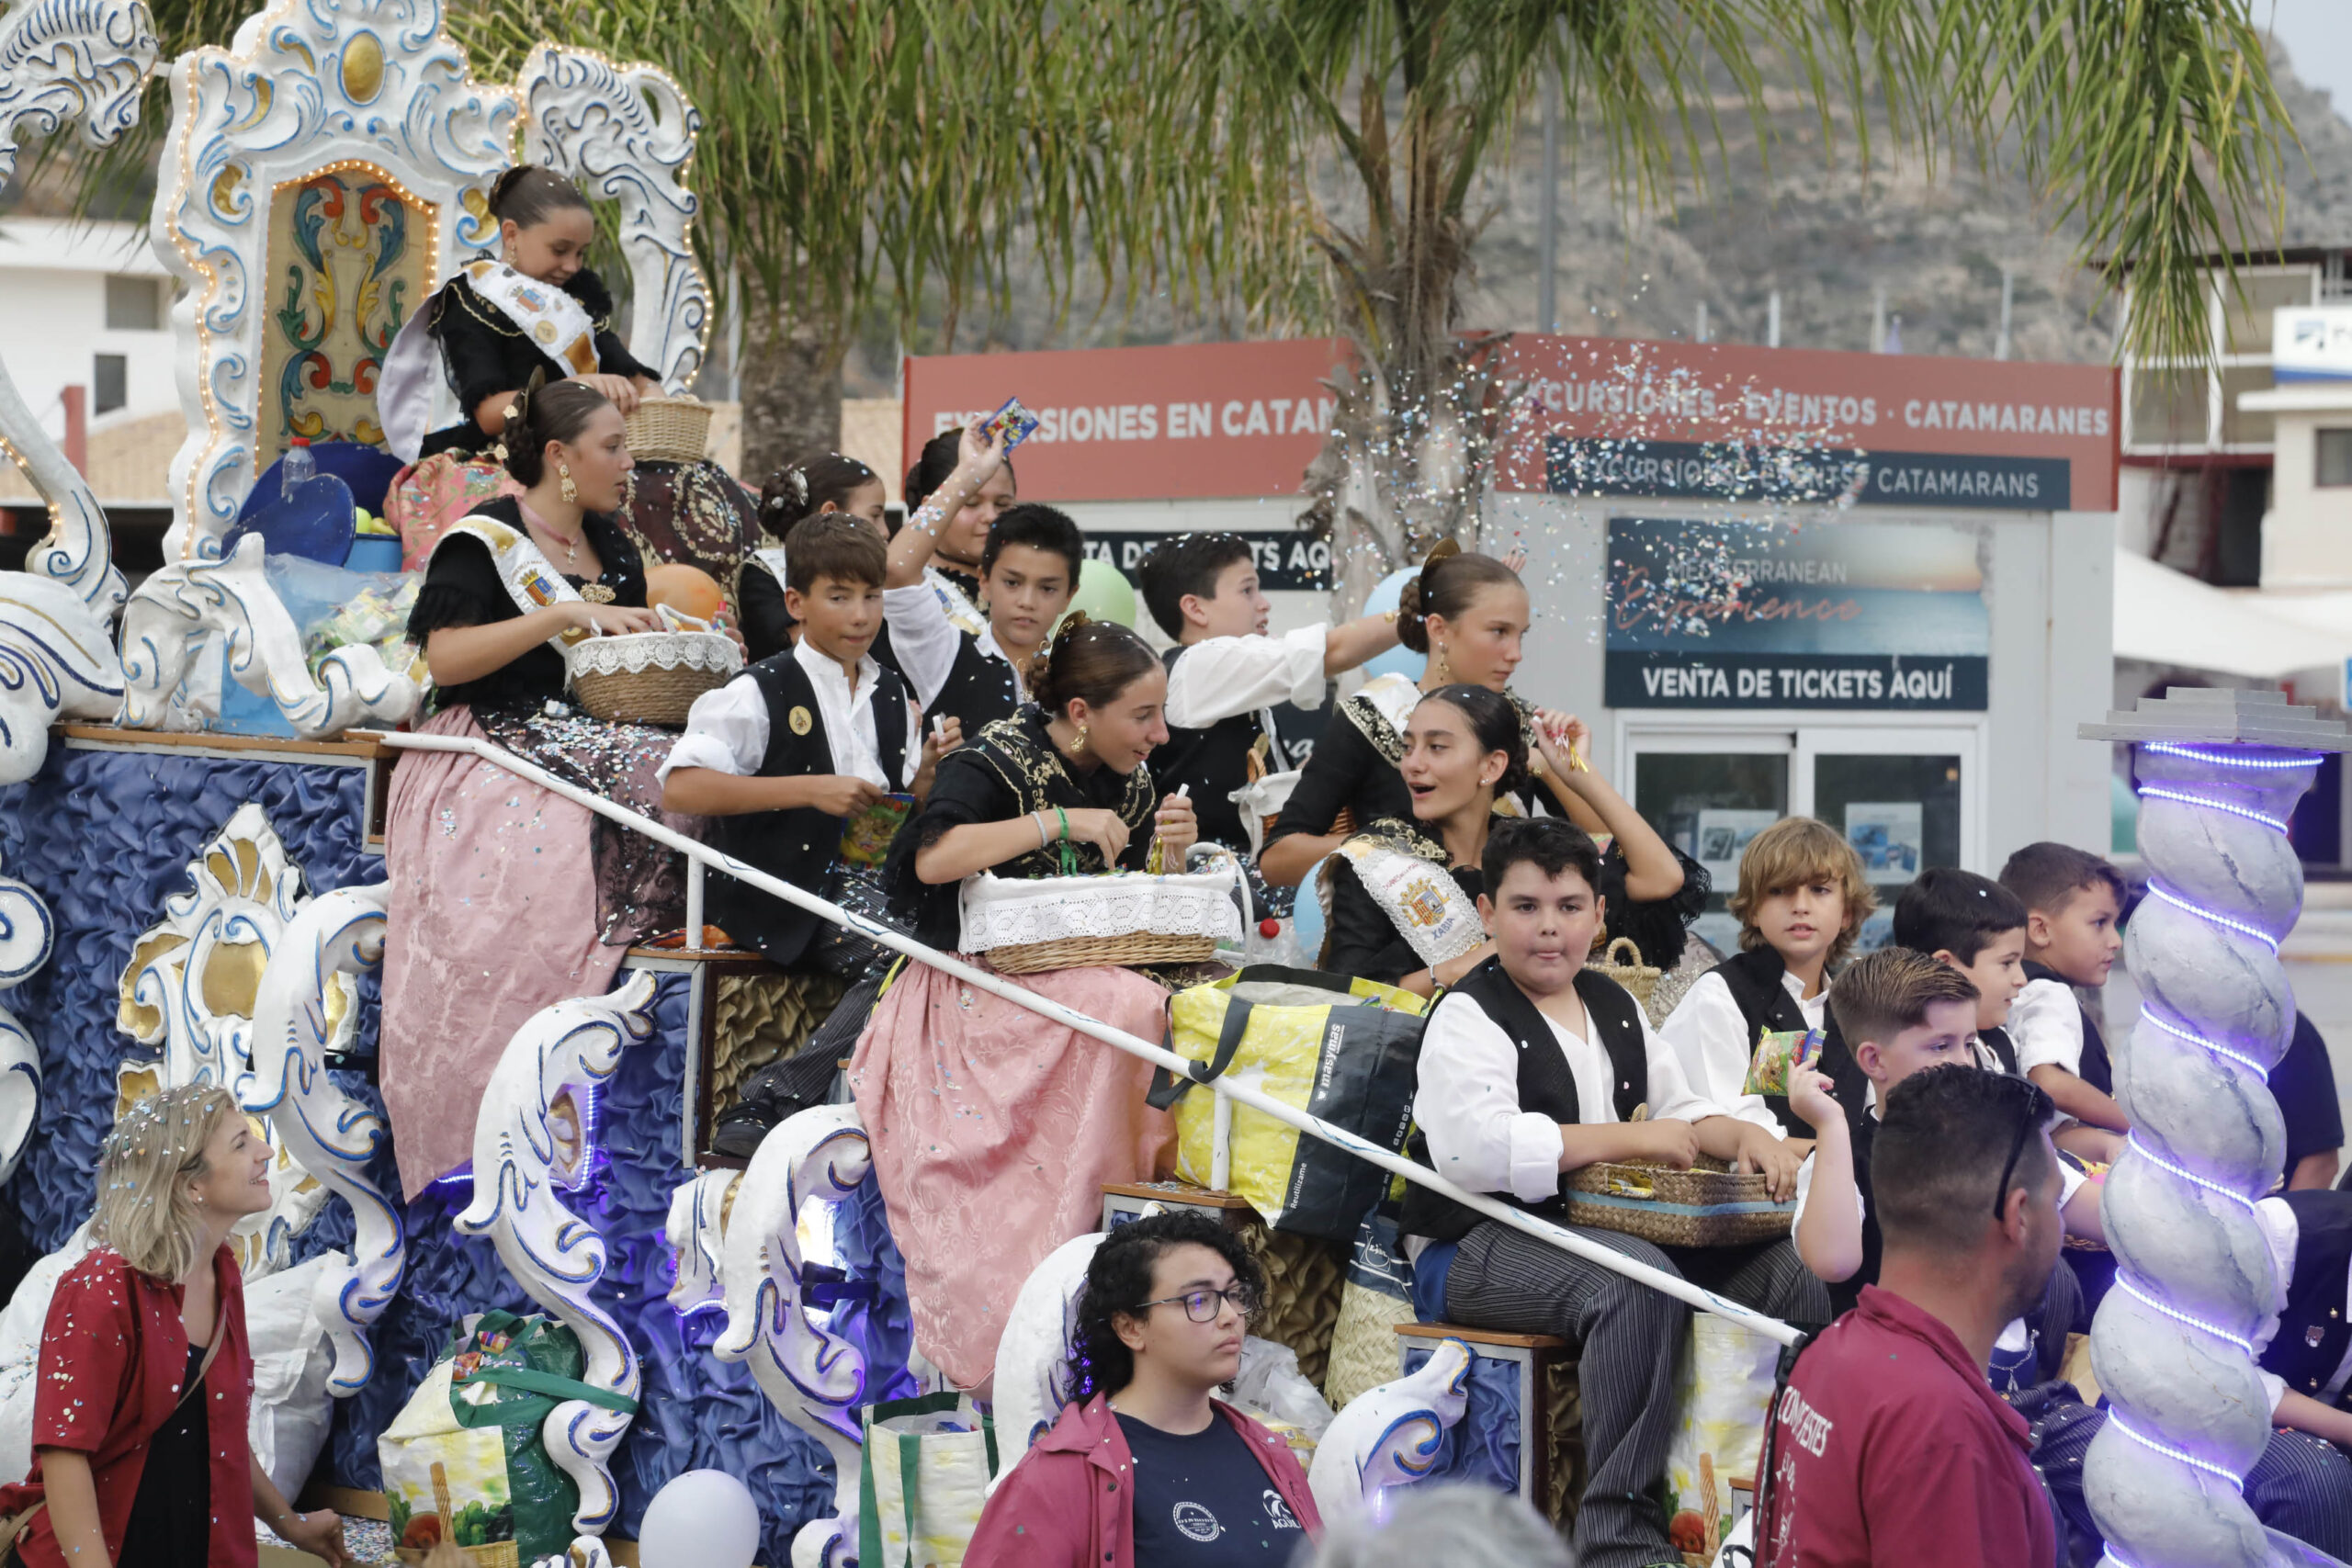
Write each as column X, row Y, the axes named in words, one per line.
column 994, row 1128
column 487, row 930
column 535, row 309
column 1469, row 613
column 138, row 1438
column 827, row 483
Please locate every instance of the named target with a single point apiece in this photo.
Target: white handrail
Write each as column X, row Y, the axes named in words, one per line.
column 1315, row 1127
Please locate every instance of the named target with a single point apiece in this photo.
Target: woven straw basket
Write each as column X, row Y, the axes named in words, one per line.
column 1639, row 979
column 1704, row 1206
column 650, row 677
column 1072, row 952
column 669, row 430
column 497, row 1554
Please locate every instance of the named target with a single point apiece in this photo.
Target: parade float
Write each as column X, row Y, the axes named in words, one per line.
column 192, row 791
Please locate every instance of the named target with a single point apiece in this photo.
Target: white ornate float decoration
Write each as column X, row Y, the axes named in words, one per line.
column 1033, row 1373
column 738, row 1239
column 79, row 63
column 26, row 933
column 1389, row 1436
column 192, row 987
column 528, row 1140
column 303, row 1011
column 2196, row 1285
column 625, row 133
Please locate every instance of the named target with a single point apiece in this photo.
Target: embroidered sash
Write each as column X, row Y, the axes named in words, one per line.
column 961, row 611
column 772, row 558
column 557, row 324
column 1427, row 906
column 526, row 574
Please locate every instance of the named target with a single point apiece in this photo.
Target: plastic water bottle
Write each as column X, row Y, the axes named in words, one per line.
column 1272, row 941
column 300, row 468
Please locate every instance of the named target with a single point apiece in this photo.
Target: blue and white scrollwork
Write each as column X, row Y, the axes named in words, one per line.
column 625, row 133
column 1389, row 1436
column 305, row 85
column 815, row 1377
column 302, row 1011
column 173, row 619
column 553, row 1256
column 27, row 934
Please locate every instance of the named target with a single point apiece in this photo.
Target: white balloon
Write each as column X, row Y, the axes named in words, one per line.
column 705, row 1518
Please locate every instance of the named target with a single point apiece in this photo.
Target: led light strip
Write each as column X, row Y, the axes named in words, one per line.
column 2159, row 793
column 2187, row 1175
column 2213, row 1046
column 2202, row 913
column 2263, row 764
column 2115, row 1418
column 2179, row 1316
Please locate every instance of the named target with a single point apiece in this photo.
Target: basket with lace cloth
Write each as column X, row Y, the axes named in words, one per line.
column 652, row 677
column 1028, row 925
column 1706, row 1205
column 669, row 430
column 1639, row 979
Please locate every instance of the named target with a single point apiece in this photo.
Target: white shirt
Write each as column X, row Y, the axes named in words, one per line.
column 2046, row 1026
column 726, row 730
column 2283, row 1235
column 1467, row 1101
column 2015, row 1335
column 1222, row 676
column 1711, row 1039
column 924, row 638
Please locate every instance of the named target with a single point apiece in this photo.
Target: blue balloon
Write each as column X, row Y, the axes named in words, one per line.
column 1306, row 916
column 1399, row 660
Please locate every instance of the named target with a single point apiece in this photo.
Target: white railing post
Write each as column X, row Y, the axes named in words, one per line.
column 988, row 980
column 1221, row 1145
column 694, row 904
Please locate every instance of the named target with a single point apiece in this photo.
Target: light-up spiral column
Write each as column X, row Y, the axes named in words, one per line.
column 2172, row 1344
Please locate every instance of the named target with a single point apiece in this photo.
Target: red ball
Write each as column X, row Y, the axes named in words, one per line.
column 1269, row 927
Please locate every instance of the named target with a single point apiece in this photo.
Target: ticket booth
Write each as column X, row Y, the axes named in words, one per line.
column 1871, row 589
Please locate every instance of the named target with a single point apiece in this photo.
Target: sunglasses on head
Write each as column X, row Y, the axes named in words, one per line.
column 2028, row 1119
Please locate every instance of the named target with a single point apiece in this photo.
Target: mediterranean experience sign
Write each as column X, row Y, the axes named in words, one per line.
column 1708, row 615
column 1616, row 416
column 1193, row 421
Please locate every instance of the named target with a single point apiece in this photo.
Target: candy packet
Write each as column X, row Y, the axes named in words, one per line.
column 1778, row 1056
column 865, row 838
column 1010, row 425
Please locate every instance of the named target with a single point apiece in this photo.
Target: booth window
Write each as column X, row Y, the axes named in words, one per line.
column 2335, row 448
column 134, row 304
column 111, row 383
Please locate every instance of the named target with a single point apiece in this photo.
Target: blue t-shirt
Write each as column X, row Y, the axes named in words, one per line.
column 1203, row 1501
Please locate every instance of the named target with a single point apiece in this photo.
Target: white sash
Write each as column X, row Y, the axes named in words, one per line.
column 557, row 324
column 772, row 558
column 526, row 574
column 965, row 614
column 1426, row 905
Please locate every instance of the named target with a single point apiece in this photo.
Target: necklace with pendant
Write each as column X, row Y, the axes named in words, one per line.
column 594, row 592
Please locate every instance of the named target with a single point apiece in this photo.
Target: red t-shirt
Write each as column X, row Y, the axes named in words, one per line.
column 113, row 1351
column 1890, row 1449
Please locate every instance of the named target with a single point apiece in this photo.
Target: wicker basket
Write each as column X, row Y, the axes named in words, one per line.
column 1704, row 1206
column 1639, row 979
column 650, row 677
column 669, row 430
column 1125, row 952
column 497, row 1554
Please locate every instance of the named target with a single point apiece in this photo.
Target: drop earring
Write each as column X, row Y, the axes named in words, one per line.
column 1080, row 746
column 571, row 491
column 1444, row 670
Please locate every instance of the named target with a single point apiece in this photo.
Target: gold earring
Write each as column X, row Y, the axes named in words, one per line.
column 1444, row 670
column 571, row 491
column 1081, row 746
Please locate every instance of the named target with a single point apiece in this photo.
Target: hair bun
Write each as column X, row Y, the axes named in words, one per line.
column 1412, row 624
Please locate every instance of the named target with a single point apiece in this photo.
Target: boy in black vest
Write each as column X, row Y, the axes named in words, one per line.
column 1802, row 899
column 1226, row 675
column 782, row 754
column 2073, row 901
column 1533, row 1067
column 1975, row 925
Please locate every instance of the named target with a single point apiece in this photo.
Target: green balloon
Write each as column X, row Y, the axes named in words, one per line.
column 1103, row 594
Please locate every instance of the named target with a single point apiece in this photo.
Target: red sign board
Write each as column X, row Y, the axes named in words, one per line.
column 1620, row 415
column 1238, row 420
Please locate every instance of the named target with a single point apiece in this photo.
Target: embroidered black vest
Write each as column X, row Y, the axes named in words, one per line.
column 1545, row 1084
column 2094, row 1070
column 795, row 846
column 1754, row 979
column 1215, row 762
column 2313, row 1330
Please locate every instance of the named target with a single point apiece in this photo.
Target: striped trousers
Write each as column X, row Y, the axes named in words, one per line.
column 1627, row 1338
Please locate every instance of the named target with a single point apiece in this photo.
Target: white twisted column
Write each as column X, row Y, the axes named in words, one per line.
column 2196, row 1287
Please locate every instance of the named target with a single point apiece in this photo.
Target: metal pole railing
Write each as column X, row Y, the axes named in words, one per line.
column 1045, row 1007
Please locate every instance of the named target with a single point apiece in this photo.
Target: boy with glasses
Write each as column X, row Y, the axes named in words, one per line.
column 1145, row 1467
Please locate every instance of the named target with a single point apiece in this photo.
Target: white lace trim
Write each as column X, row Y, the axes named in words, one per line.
column 637, row 652
column 1015, row 912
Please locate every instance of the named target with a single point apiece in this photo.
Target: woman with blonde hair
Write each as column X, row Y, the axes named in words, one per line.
column 139, row 1450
